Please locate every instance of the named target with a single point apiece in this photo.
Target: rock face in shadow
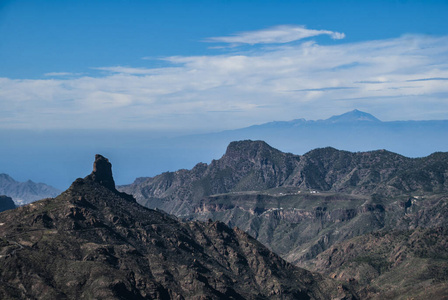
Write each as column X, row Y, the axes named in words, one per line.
column 102, row 172
column 6, row 203
column 93, row 242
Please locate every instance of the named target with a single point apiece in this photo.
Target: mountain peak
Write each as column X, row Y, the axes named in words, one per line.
column 248, row 149
column 102, row 172
column 6, row 177
column 353, row 116
column 245, row 144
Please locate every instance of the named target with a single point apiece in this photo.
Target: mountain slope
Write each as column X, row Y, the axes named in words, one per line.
column 391, row 265
column 25, row 192
column 93, row 241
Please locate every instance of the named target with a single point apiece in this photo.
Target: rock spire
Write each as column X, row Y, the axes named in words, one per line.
column 102, row 172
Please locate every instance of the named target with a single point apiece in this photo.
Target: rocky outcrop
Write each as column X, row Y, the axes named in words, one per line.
column 102, row 172
column 90, row 242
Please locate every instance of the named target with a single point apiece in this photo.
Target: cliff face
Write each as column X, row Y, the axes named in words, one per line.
column 93, row 241
column 300, row 226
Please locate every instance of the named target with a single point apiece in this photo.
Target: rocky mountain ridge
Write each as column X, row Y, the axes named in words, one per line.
column 95, row 242
column 255, row 166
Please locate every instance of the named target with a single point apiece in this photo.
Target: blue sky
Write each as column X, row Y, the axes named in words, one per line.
column 84, row 77
column 194, row 66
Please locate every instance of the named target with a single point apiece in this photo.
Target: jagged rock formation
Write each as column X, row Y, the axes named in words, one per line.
column 6, row 203
column 25, row 192
column 91, row 242
column 102, row 172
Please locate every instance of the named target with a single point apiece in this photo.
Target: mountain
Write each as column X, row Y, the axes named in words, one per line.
column 25, row 192
column 353, row 116
column 6, row 203
column 299, row 206
column 255, row 166
column 245, row 166
column 94, row 242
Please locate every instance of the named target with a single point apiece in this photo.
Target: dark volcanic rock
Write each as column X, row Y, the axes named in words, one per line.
column 6, row 203
column 102, row 172
column 91, row 243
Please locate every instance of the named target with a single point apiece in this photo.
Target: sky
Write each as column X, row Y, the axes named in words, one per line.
column 196, row 66
column 70, row 69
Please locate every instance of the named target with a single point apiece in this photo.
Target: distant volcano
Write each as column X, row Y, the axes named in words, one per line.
column 353, row 116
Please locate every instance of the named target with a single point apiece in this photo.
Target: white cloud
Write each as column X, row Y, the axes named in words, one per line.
column 229, row 91
column 61, row 74
column 126, row 70
column 275, row 35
